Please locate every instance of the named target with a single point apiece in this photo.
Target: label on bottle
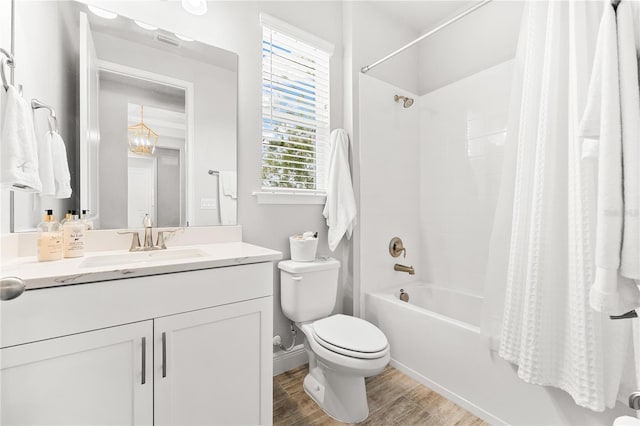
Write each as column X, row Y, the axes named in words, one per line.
column 49, row 246
column 73, row 239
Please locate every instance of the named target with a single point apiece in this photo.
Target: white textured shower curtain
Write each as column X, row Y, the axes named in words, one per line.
column 541, row 261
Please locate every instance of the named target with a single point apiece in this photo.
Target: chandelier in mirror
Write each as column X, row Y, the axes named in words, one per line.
column 142, row 140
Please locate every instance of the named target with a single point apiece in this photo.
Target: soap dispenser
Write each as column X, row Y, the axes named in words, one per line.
column 66, row 217
column 49, row 238
column 88, row 223
column 73, row 232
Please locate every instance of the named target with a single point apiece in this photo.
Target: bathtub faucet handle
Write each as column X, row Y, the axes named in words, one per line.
column 396, row 247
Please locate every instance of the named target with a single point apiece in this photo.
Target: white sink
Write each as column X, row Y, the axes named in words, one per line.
column 141, row 257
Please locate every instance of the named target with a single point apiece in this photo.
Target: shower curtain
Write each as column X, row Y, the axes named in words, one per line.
column 542, row 259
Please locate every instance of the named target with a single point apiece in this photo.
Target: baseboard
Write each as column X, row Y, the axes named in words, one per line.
column 285, row 361
column 452, row 396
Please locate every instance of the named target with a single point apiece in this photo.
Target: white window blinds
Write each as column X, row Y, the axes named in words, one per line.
column 295, row 109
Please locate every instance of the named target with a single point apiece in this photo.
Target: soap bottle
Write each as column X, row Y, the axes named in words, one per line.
column 49, row 239
column 66, row 217
column 88, row 223
column 73, row 232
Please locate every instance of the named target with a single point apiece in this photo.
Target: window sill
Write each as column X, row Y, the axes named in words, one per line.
column 284, row 197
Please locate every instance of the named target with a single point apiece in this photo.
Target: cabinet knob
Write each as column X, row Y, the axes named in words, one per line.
column 11, row 287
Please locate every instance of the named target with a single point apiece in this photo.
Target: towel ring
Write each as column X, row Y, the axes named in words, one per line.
column 53, row 120
column 7, row 60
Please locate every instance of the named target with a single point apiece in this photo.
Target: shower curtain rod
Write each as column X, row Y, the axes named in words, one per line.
column 423, row 36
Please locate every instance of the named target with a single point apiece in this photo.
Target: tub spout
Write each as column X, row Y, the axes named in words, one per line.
column 403, row 268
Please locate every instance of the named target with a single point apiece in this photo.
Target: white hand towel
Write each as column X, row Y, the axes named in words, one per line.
column 227, row 194
column 610, row 293
column 45, row 168
column 61, row 173
column 629, row 46
column 229, row 183
column 19, row 149
column 340, row 208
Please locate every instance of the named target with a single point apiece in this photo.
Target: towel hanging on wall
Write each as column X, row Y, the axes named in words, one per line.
column 19, row 147
column 340, row 208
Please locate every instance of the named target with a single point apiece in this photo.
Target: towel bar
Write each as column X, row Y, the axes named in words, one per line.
column 628, row 315
column 53, row 119
column 7, row 60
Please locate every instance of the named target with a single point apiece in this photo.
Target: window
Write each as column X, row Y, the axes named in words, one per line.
column 295, row 108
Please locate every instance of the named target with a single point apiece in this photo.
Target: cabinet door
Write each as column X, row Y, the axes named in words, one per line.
column 214, row 366
column 88, row 378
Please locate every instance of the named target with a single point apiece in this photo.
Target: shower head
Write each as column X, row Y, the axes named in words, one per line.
column 406, row 102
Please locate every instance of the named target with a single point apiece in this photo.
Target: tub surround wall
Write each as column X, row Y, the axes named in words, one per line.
column 462, row 134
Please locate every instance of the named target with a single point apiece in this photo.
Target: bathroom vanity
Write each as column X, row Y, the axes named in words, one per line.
column 168, row 341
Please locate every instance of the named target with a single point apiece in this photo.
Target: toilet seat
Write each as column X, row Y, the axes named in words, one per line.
column 350, row 336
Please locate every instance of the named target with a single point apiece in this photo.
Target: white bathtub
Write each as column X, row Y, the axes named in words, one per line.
column 435, row 338
column 462, row 308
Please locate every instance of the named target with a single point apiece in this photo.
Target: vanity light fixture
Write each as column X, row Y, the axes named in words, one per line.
column 102, row 13
column 145, row 26
column 195, row 7
column 142, row 140
column 183, row 38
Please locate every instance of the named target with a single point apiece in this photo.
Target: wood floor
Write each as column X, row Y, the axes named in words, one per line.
column 394, row 399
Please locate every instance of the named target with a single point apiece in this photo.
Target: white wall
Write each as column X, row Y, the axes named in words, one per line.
column 486, row 37
column 389, row 179
column 57, row 88
column 462, row 131
column 5, row 43
column 235, row 26
column 370, row 34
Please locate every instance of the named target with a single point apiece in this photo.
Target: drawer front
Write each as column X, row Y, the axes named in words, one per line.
column 58, row 311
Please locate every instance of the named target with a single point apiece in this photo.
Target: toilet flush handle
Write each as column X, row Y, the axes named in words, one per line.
column 296, row 278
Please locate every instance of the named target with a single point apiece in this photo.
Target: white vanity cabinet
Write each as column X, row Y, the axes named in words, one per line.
column 88, row 378
column 200, row 339
column 208, row 365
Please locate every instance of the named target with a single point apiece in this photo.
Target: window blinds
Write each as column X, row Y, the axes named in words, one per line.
column 295, row 112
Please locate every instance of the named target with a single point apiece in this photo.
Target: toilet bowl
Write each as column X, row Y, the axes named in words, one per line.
column 342, row 350
column 337, row 369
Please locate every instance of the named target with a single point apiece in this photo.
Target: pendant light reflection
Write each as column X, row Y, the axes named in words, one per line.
column 195, row 7
column 142, row 140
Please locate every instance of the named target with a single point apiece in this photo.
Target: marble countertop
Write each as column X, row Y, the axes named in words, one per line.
column 118, row 264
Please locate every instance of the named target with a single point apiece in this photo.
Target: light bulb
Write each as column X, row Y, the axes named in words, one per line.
column 102, row 13
column 195, row 7
column 145, row 26
column 181, row 37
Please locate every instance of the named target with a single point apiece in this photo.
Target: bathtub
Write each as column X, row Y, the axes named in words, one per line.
column 435, row 338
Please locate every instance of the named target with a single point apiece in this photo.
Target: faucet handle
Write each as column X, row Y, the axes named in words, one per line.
column 396, row 247
column 135, row 240
column 160, row 243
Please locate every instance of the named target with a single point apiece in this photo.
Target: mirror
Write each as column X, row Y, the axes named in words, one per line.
column 149, row 117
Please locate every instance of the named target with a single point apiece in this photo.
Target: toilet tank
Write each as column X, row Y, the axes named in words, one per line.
column 308, row 290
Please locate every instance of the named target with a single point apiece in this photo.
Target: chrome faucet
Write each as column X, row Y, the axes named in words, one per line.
column 148, row 237
column 148, row 233
column 403, row 268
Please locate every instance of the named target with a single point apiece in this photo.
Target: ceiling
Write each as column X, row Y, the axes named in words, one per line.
column 422, row 15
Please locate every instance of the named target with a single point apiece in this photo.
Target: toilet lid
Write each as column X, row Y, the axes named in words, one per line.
column 350, row 335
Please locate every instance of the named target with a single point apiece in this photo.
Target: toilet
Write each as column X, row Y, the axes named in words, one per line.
column 342, row 350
